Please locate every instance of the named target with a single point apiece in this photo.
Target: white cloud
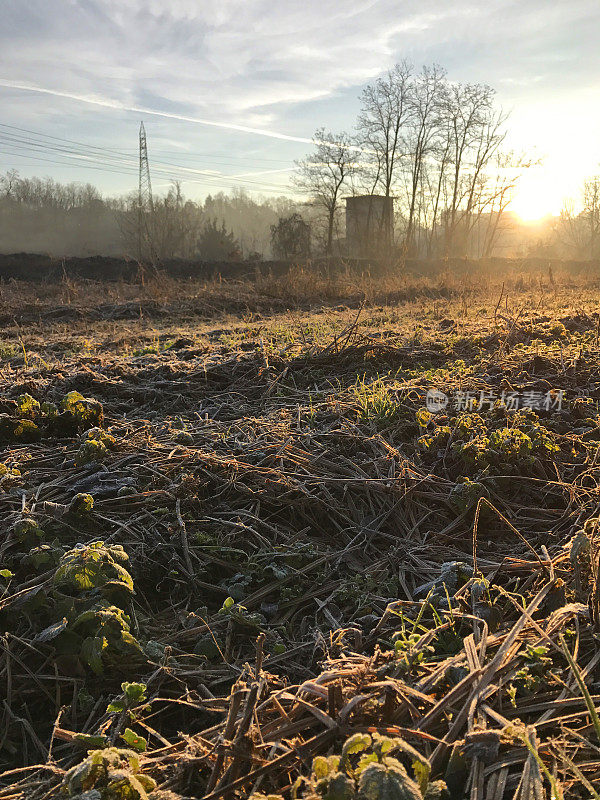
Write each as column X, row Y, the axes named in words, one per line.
column 237, row 59
column 230, row 58
column 286, row 66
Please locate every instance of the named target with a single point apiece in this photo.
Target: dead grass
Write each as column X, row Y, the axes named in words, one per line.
column 272, row 456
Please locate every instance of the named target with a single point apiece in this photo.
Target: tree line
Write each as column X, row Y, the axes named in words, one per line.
column 44, row 215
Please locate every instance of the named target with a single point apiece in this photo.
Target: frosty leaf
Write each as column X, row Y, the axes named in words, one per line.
column 95, row 566
column 134, row 692
column 340, row 787
column 381, row 782
column 27, row 405
column 388, row 744
column 355, row 744
column 435, row 791
column 91, row 652
column 422, row 772
column 365, row 760
column 320, row 767
column 51, row 632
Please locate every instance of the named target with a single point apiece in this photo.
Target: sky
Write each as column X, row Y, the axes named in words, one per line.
column 231, row 91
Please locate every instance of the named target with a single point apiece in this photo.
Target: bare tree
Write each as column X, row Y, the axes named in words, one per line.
column 323, row 173
column 473, row 130
column 424, row 126
column 499, row 187
column 435, row 177
column 176, row 225
column 579, row 232
column 429, row 142
column 570, row 232
column 386, row 110
column 8, row 182
column 591, row 214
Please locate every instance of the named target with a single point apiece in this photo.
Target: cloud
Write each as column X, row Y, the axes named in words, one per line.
column 230, row 59
column 105, row 103
column 278, row 69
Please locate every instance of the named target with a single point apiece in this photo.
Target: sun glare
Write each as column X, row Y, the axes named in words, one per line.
column 531, row 208
column 537, row 196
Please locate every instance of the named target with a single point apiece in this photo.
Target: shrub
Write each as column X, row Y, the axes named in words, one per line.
column 102, row 632
column 84, row 412
column 28, row 532
column 91, row 450
column 366, row 770
column 27, row 406
column 81, row 505
column 95, row 566
column 115, row 772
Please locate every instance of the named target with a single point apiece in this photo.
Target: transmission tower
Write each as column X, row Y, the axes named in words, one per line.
column 145, row 202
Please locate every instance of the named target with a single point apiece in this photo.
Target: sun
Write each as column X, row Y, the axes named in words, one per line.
column 530, row 207
column 543, row 191
column 536, row 197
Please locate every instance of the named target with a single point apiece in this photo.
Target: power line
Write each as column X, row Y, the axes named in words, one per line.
column 29, row 145
column 63, row 163
column 127, row 153
column 105, row 155
column 213, row 182
column 175, row 173
column 132, row 171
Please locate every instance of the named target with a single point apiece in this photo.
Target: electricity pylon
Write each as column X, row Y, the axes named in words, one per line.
column 145, row 203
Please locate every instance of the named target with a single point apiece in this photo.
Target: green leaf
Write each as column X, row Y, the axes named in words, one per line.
column 422, row 772
column 365, row 760
column 383, row 744
column 397, row 743
column 320, row 767
column 354, row 744
column 130, row 641
column 134, row 692
column 147, row 782
column 206, row 647
column 94, row 567
column 28, row 406
column 6, row 573
column 133, row 740
column 91, row 652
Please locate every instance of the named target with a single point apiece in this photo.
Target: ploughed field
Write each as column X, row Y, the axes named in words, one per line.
column 240, row 557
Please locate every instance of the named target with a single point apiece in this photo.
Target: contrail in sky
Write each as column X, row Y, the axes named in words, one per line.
column 141, row 110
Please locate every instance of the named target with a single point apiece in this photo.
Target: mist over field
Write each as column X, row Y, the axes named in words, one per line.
column 43, row 216
column 40, row 215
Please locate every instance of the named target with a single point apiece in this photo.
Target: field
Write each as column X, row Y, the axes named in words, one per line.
column 236, row 543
